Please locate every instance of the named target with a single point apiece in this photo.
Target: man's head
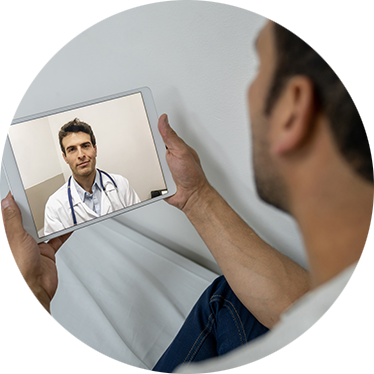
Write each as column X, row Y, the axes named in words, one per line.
column 78, row 145
column 294, row 90
column 75, row 126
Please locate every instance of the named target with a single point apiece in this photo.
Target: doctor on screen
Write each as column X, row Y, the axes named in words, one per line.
column 89, row 192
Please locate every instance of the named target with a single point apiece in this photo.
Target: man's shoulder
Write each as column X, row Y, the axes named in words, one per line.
column 113, row 175
column 119, row 178
column 352, row 285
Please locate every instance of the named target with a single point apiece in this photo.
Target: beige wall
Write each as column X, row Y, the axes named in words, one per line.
column 34, row 150
column 38, row 196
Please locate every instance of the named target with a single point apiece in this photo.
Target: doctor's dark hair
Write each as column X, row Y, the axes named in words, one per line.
column 75, row 126
column 332, row 43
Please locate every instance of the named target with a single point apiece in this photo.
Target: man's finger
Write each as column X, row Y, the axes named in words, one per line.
column 56, row 243
column 169, row 136
column 2, row 225
column 12, row 220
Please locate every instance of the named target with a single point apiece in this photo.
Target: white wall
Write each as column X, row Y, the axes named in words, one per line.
column 34, row 152
column 198, row 59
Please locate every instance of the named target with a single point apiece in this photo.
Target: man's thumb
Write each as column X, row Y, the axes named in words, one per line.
column 12, row 217
column 169, row 136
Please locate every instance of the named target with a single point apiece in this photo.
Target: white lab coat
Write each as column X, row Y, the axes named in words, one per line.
column 58, row 214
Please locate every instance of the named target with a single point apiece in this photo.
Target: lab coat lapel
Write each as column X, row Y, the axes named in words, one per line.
column 74, row 194
column 106, row 206
column 80, row 208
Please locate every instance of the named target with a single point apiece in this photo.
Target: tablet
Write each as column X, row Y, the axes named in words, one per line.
column 74, row 166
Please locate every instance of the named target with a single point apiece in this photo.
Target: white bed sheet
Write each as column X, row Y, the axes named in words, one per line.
column 123, row 294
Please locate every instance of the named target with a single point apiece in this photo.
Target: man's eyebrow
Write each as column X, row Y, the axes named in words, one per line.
column 74, row 146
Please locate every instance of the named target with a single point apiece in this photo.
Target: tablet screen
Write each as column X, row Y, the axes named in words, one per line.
column 84, row 163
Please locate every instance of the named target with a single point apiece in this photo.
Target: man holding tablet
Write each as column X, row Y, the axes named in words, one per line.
column 89, row 192
column 312, row 159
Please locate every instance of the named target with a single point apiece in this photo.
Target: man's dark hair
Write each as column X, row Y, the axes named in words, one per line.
column 75, row 126
column 332, row 42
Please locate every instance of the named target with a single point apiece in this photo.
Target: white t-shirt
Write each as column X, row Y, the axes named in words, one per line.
column 329, row 330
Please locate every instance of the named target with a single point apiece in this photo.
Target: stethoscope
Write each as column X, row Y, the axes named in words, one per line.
column 101, row 172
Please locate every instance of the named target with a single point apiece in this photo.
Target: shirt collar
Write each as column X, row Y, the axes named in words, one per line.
column 82, row 192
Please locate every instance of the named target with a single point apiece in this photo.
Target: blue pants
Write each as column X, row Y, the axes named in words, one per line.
column 217, row 324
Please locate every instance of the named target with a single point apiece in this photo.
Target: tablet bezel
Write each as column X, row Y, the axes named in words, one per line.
column 15, row 183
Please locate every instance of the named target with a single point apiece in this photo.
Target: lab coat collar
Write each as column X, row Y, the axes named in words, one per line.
column 81, row 192
column 74, row 193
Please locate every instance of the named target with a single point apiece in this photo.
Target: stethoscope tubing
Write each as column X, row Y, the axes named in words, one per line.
column 101, row 172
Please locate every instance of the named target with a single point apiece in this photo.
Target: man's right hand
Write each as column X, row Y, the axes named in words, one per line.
column 185, row 166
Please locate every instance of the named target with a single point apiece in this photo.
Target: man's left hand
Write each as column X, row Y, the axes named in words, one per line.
column 35, row 261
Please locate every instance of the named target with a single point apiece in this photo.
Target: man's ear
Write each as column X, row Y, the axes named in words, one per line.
column 95, row 151
column 292, row 116
column 63, row 155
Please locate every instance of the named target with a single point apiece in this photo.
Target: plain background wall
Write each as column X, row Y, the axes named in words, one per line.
column 198, row 58
column 33, row 146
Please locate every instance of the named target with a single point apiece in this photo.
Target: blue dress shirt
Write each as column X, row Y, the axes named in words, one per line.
column 92, row 200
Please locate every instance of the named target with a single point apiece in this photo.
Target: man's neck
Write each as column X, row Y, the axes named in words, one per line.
column 86, row 182
column 332, row 204
column 333, row 208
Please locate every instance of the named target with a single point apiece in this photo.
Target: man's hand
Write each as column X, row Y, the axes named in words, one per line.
column 35, row 261
column 264, row 280
column 30, row 276
column 185, row 166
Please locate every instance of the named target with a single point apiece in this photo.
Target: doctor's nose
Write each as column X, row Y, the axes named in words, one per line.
column 81, row 154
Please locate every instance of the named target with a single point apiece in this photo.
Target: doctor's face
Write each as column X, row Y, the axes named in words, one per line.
column 80, row 154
